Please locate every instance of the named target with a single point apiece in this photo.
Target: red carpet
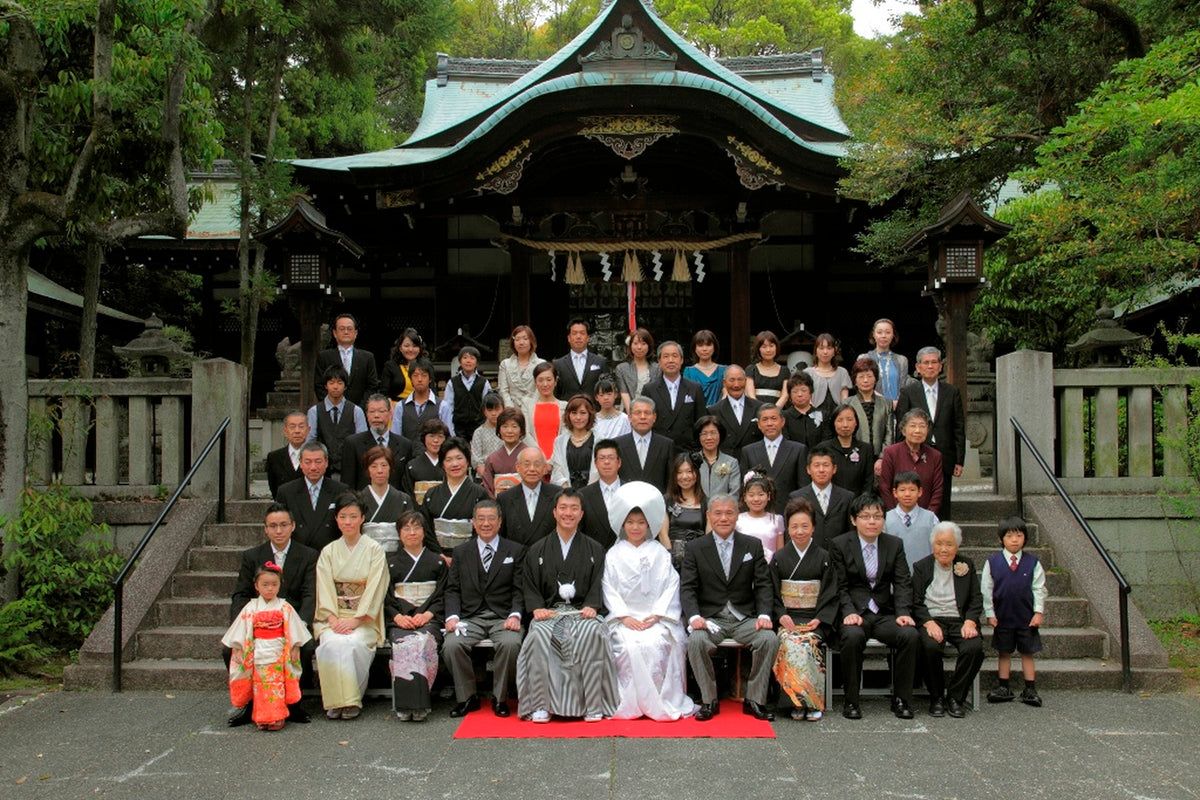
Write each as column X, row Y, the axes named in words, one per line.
column 731, row 723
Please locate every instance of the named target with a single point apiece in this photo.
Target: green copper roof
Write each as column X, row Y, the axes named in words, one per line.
column 41, row 286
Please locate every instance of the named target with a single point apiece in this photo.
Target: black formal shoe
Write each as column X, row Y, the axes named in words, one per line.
column 955, row 708
column 937, row 708
column 298, row 714
column 901, row 709
column 241, row 716
column 758, row 711
column 465, row 707
column 707, row 711
column 500, row 707
column 851, row 711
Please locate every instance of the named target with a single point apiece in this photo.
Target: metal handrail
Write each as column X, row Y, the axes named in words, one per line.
column 1122, row 584
column 119, row 581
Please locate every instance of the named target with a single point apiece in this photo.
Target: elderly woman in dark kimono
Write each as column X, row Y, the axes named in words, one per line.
column 805, row 607
column 414, row 614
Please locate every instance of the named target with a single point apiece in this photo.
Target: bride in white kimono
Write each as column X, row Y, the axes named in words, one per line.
column 641, row 593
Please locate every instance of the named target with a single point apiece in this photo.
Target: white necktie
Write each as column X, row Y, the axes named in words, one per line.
column 824, row 498
column 279, row 557
column 771, row 453
column 294, row 455
column 531, row 503
column 580, row 362
column 726, row 548
column 608, row 496
column 673, row 388
column 347, row 359
column 314, row 491
column 641, row 448
column 737, row 411
column 931, row 394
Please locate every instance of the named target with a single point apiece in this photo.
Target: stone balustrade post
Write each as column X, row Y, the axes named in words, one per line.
column 1025, row 390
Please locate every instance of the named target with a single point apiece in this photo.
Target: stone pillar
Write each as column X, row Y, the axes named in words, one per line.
column 220, row 389
column 1025, row 390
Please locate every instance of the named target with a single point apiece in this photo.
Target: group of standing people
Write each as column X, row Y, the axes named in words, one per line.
column 531, row 514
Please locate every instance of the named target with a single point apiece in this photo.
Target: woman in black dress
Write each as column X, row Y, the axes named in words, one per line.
column 424, row 470
column 685, row 507
column 414, row 614
column 571, row 461
column 854, row 458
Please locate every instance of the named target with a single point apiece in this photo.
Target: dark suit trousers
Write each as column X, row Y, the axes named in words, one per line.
column 970, row 659
column 903, row 640
column 456, row 652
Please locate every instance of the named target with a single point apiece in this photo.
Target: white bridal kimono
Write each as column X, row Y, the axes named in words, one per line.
column 640, row 582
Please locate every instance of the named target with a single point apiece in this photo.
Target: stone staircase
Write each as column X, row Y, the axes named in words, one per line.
column 1076, row 654
column 178, row 647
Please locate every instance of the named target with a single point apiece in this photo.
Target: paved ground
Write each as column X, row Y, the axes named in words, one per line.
column 153, row 745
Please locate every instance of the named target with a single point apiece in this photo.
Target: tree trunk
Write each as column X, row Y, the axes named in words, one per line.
column 94, row 261
column 14, row 393
column 247, row 318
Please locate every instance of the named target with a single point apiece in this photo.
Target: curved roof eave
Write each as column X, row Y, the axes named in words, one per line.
column 400, row 157
column 832, row 119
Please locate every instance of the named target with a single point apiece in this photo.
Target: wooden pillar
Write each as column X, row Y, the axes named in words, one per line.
column 309, row 308
column 954, row 304
column 739, row 303
column 519, row 258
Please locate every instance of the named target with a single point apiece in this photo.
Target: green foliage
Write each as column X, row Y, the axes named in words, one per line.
column 963, row 97
column 760, row 27
column 1116, row 217
column 517, row 29
column 20, row 625
column 65, row 570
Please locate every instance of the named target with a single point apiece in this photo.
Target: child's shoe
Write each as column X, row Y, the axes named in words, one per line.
column 1029, row 697
column 1001, row 694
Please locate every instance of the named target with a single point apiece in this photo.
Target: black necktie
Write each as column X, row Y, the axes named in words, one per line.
column 333, row 413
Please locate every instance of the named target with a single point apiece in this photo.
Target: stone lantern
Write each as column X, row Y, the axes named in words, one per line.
column 305, row 253
column 955, row 245
column 1106, row 340
column 153, row 352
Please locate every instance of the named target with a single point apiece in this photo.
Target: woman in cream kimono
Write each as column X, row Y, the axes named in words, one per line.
column 352, row 578
column 641, row 592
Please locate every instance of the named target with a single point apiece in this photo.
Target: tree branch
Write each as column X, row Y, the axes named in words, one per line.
column 1119, row 19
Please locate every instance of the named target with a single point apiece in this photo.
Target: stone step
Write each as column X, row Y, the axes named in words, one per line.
column 1058, row 583
column 1063, row 643
column 1087, row 674
column 983, row 534
column 194, row 642
column 202, row 611
column 215, row 559
column 246, row 511
column 981, row 506
column 207, row 674
column 204, row 584
column 235, row 534
column 981, row 554
column 1068, row 612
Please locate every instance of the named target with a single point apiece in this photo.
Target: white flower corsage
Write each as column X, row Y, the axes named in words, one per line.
column 961, row 569
column 721, row 470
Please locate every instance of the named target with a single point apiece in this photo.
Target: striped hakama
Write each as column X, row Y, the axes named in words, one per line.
column 566, row 667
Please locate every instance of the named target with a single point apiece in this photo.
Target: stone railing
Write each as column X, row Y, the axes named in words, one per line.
column 134, row 437
column 1101, row 429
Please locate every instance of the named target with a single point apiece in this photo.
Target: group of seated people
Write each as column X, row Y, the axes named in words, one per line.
column 744, row 455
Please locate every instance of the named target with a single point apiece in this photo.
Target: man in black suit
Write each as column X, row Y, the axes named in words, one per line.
column 736, row 412
column 948, row 618
column 283, row 465
column 831, row 504
column 520, row 525
column 299, row 565
column 943, row 402
column 725, row 589
column 645, row 455
column 363, row 379
column 580, row 369
column 875, row 594
column 310, row 498
column 678, row 401
column 598, row 495
column 379, row 415
column 782, row 459
column 483, row 600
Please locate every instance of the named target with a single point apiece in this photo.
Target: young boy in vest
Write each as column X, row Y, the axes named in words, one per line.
column 1014, row 596
column 334, row 418
column 462, row 402
column 909, row 521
